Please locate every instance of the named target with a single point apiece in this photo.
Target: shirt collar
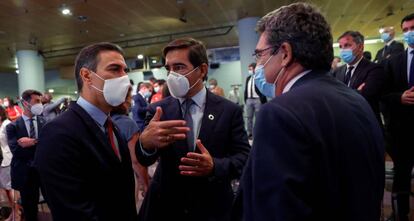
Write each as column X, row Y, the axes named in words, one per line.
column 293, row 80
column 356, row 64
column 199, row 98
column 390, row 42
column 97, row 114
column 409, row 49
column 26, row 118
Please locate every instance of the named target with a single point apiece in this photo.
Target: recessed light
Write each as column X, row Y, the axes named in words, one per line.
column 76, row 92
column 17, row 71
column 140, row 56
column 154, row 61
column 51, row 90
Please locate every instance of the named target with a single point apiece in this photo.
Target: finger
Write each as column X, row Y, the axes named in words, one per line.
column 157, row 115
column 411, row 89
column 172, row 123
column 201, row 147
column 190, row 168
column 195, row 156
column 173, row 130
column 190, row 161
column 191, row 173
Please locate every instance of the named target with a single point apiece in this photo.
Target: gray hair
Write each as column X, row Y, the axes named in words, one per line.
column 305, row 29
column 356, row 35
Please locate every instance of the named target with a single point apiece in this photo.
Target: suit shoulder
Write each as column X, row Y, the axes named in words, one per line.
column 223, row 101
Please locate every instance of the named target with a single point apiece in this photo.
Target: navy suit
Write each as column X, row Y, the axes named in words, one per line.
column 400, row 121
column 172, row 196
column 82, row 177
column 318, row 155
column 375, row 80
column 393, row 49
column 139, row 110
column 23, row 176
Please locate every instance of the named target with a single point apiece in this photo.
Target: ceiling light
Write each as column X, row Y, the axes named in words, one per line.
column 51, row 90
column 154, row 61
column 140, row 56
column 17, row 71
column 65, row 10
column 381, row 30
column 76, row 92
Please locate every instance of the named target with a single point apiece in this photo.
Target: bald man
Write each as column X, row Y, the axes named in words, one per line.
column 391, row 46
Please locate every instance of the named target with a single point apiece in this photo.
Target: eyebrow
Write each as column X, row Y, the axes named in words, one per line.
column 174, row 64
column 117, row 66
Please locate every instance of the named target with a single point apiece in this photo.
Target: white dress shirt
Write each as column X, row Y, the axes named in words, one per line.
column 5, row 149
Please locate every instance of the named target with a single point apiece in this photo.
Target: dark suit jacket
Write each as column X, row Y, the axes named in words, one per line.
column 262, row 98
column 82, row 177
column 22, row 157
column 400, row 117
column 317, row 155
column 172, row 196
column 394, row 49
column 373, row 76
column 139, row 110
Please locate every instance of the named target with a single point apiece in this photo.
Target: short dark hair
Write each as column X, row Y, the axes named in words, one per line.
column 253, row 65
column 197, row 54
column 356, row 36
column 160, row 82
column 88, row 58
column 145, row 84
column 3, row 114
column 27, row 94
column 305, row 29
column 407, row 18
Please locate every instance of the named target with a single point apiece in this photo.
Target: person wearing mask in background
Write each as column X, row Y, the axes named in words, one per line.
column 253, row 99
column 336, row 63
column 130, row 132
column 83, row 161
column 399, row 101
column 139, row 109
column 158, row 87
column 318, row 149
column 5, row 179
column 360, row 74
column 391, row 47
column 22, row 137
column 214, row 88
column 199, row 138
column 50, row 108
column 13, row 110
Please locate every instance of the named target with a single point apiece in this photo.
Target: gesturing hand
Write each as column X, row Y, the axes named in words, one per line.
column 159, row 134
column 407, row 97
column 196, row 164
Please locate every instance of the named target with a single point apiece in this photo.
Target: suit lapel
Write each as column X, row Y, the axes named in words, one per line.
column 359, row 74
column 404, row 77
column 212, row 113
column 22, row 127
column 95, row 130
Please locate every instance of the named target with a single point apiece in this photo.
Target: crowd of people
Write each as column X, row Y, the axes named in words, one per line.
column 318, row 130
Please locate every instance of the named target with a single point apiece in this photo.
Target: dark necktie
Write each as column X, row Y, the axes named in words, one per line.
column 187, row 117
column 32, row 129
column 411, row 79
column 110, row 133
column 348, row 75
column 384, row 52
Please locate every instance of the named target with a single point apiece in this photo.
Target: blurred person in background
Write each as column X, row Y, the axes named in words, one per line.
column 50, row 108
column 214, row 88
column 139, row 109
column 13, row 110
column 158, row 88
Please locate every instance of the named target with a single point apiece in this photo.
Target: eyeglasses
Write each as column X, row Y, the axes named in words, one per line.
column 259, row 53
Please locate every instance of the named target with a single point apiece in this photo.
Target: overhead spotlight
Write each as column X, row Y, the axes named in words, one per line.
column 76, row 92
column 154, row 61
column 381, row 30
column 140, row 56
column 17, row 71
column 51, row 90
column 65, row 10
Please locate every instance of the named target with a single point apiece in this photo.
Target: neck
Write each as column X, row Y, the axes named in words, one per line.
column 290, row 72
column 356, row 60
column 197, row 88
column 28, row 113
column 94, row 99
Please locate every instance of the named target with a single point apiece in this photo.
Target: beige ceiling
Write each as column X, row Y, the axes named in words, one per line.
column 39, row 25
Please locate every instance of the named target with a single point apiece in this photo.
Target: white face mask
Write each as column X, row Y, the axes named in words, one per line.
column 178, row 84
column 250, row 72
column 156, row 89
column 37, row 109
column 114, row 90
column 6, row 103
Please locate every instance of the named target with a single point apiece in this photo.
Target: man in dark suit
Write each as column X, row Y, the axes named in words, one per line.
column 399, row 101
column 318, row 150
column 359, row 73
column 253, row 99
column 391, row 46
column 83, row 162
column 199, row 138
column 22, row 137
column 139, row 109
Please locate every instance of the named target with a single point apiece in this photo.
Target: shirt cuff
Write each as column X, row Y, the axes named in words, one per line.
column 145, row 152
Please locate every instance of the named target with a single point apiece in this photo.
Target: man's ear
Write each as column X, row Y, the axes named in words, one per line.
column 287, row 54
column 204, row 70
column 85, row 74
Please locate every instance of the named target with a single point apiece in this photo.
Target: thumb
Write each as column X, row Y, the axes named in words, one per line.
column 201, row 146
column 157, row 115
column 411, row 89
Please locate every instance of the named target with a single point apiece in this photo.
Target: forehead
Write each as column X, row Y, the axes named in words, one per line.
column 262, row 43
column 408, row 24
column 177, row 56
column 346, row 39
column 106, row 58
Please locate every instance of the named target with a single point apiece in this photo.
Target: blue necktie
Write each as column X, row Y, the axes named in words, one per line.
column 187, row 117
column 32, row 129
column 411, row 76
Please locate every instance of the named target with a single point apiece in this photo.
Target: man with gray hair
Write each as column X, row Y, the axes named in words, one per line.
column 360, row 74
column 391, row 46
column 318, row 150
